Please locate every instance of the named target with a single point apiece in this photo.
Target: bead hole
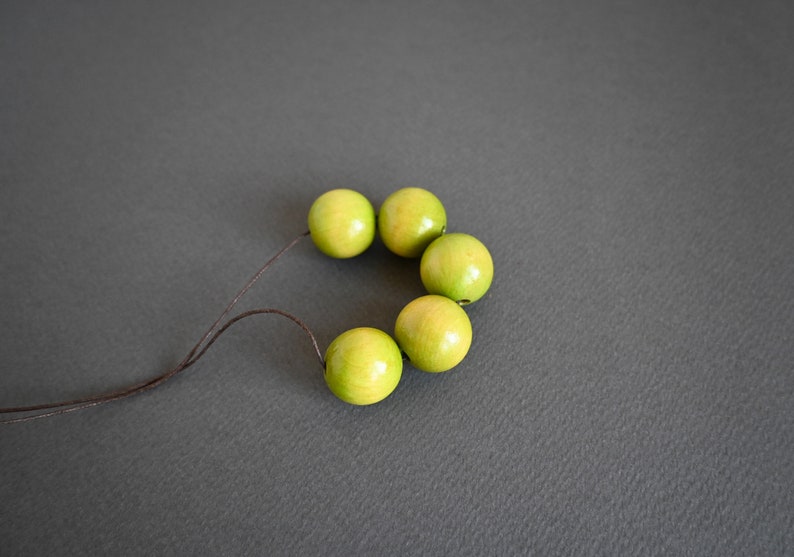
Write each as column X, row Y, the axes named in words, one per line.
column 464, row 302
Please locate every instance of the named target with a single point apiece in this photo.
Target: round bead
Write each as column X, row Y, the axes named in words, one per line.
column 363, row 366
column 434, row 332
column 457, row 266
column 409, row 220
column 342, row 223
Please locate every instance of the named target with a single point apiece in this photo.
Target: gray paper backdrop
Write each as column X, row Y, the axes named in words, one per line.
column 630, row 388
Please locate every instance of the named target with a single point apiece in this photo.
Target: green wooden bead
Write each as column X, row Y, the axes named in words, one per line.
column 342, row 223
column 434, row 332
column 363, row 366
column 457, row 266
column 409, row 220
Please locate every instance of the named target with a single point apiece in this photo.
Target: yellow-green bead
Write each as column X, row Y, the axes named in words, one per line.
column 342, row 223
column 457, row 266
column 434, row 332
column 363, row 366
column 409, row 220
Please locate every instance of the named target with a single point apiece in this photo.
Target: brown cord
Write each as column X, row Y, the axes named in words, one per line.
column 201, row 347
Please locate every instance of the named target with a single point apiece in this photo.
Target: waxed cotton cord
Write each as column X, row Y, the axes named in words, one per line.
column 38, row 411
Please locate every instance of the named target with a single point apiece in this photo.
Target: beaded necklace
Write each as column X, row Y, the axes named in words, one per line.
column 363, row 365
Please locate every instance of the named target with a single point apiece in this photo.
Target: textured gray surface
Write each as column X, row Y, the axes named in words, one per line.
column 629, row 164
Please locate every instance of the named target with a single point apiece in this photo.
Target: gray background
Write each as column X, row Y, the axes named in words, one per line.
column 629, row 390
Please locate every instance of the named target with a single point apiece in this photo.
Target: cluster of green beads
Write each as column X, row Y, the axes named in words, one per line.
column 364, row 365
